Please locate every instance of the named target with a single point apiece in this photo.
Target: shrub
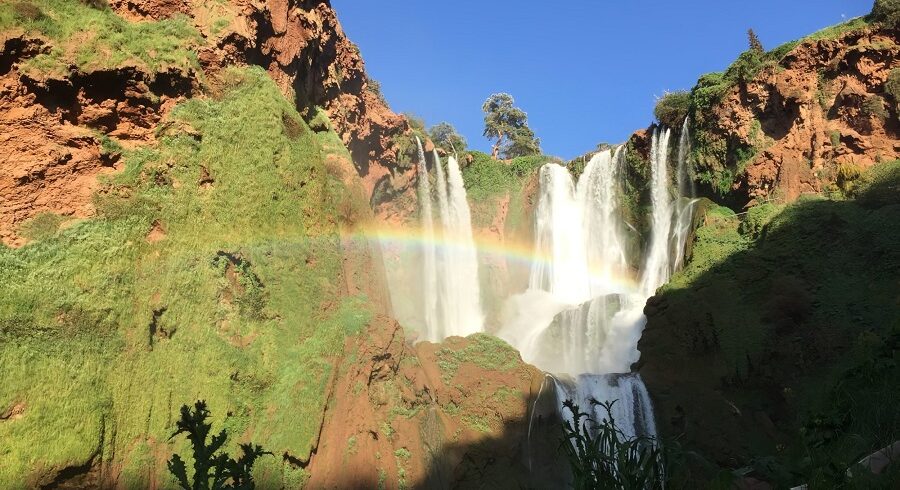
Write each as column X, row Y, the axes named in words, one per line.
column 835, row 137
column 873, row 106
column 846, row 174
column 486, row 178
column 757, row 218
column 672, row 108
column 892, row 85
column 879, row 185
column 207, row 456
column 709, row 90
column 374, row 87
column 600, row 456
column 886, row 12
column 745, row 68
column 42, row 226
column 293, row 129
column 27, row 11
column 414, row 121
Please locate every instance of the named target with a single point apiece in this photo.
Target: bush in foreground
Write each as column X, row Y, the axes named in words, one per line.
column 227, row 473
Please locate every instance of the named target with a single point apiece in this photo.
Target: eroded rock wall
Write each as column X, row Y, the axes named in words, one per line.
column 823, row 106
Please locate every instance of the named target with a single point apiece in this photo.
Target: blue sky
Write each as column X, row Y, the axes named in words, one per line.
column 585, row 71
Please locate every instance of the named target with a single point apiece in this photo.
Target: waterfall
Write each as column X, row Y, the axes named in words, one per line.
column 631, row 409
column 452, row 298
column 583, row 313
column 684, row 205
column 602, row 226
column 561, row 265
column 469, row 317
column 685, row 175
column 429, row 258
column 656, row 268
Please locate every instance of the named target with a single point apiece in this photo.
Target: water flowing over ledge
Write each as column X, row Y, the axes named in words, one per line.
column 582, row 314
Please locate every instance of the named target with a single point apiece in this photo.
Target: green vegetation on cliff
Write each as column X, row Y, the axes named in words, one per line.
column 721, row 155
column 213, row 270
column 489, row 182
column 783, row 327
column 88, row 38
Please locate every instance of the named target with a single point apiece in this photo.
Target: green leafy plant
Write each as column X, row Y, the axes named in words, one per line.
column 226, row 473
column 672, row 108
column 892, row 85
column 601, row 456
column 444, row 135
column 873, row 106
column 886, row 12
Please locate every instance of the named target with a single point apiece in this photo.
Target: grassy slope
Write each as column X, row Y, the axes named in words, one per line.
column 488, row 181
column 89, row 39
column 254, row 339
column 795, row 317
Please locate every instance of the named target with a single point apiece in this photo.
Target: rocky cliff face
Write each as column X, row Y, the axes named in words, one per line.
column 57, row 123
column 56, row 128
column 466, row 413
column 824, row 109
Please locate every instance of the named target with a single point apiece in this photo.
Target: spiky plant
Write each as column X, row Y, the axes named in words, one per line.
column 601, row 456
column 213, row 470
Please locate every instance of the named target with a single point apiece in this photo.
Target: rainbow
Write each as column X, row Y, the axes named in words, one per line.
column 489, row 247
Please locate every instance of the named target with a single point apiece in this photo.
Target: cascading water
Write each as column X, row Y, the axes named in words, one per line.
column 684, row 205
column 452, row 304
column 602, row 226
column 582, row 316
column 559, row 239
column 469, row 317
column 656, row 268
column 429, row 256
column 631, row 407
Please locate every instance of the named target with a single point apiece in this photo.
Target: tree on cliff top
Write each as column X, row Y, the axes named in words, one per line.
column 444, row 135
column 672, row 108
column 509, row 125
column 753, row 40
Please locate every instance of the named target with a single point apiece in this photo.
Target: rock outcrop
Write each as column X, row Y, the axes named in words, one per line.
column 56, row 126
column 823, row 107
column 466, row 413
column 56, row 130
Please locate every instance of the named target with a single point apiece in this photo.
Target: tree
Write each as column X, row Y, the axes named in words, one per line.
column 886, row 12
column 755, row 45
column 509, row 125
column 445, row 136
column 672, row 108
column 414, row 121
column 227, row 473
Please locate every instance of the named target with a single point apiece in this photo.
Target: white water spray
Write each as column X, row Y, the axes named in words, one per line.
column 429, row 258
column 452, row 301
column 595, row 312
column 684, row 204
column 656, row 268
